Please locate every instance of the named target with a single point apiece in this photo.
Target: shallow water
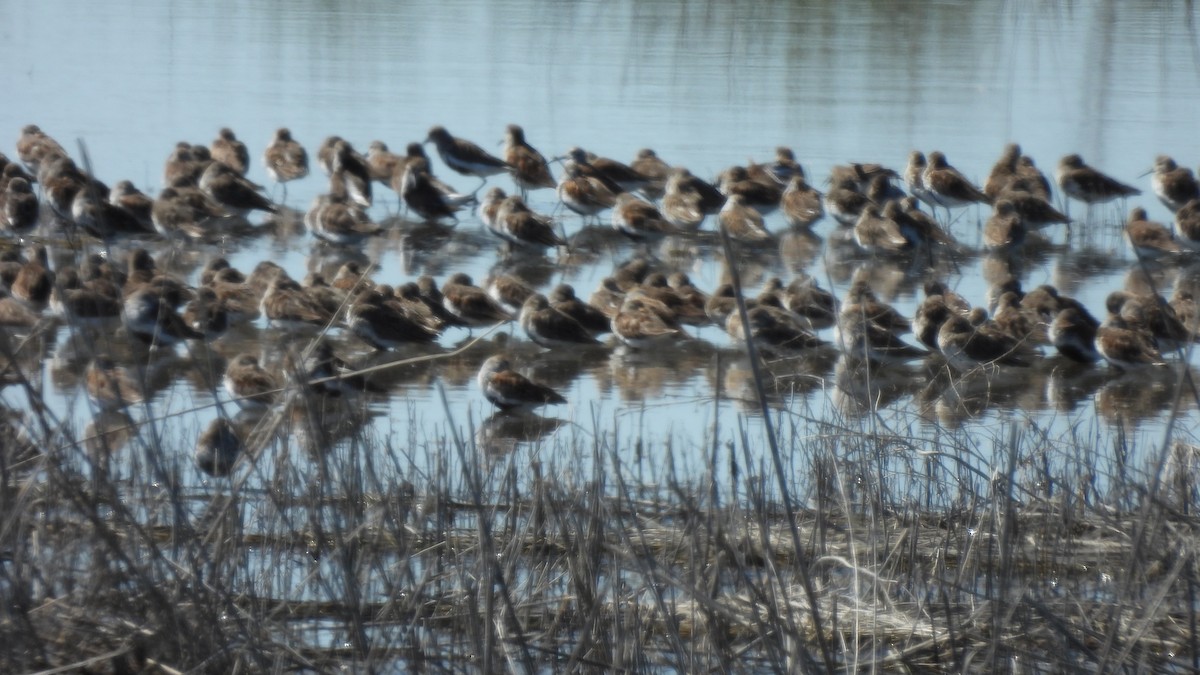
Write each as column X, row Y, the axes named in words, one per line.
column 707, row 86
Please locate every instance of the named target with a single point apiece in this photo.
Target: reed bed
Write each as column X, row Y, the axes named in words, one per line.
column 858, row 544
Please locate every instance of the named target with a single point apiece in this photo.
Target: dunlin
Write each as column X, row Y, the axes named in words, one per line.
column 153, row 321
column 250, row 385
column 693, row 300
column 34, row 281
column 876, row 233
column 1082, row 182
column 1150, row 239
column 348, row 166
column 382, row 325
column 1187, row 224
column 679, row 308
column 801, row 203
column 773, row 329
column 143, row 273
column 550, row 327
column 410, row 303
column 522, row 227
column 966, row 345
column 232, row 191
column 721, row 303
column 510, row 390
column 1126, row 348
column 914, row 178
column 101, row 219
column 948, row 187
column 639, row 220
column 337, row 220
column 228, row 150
column 1152, row 315
column 763, row 193
column 35, row 146
column 648, row 164
column 184, row 210
column 432, row 296
column 78, row 302
column 1004, row 171
column 1018, row 322
column 20, row 212
column 1036, row 213
column 218, row 448
column 743, row 222
column 182, row 168
column 287, row 305
column 1005, row 227
column 861, row 300
column 464, row 156
column 593, row 318
column 931, row 314
column 1074, row 336
column 111, row 387
column 206, row 314
column 471, row 305
column 680, row 207
column 608, row 296
column 285, row 159
column 1174, row 185
column 325, row 153
column 60, row 180
column 382, row 163
column 421, row 193
column 509, row 291
column 638, row 326
column 585, row 195
column 490, row 205
column 863, row 339
column 529, row 168
column 844, row 202
column 785, row 167
column 16, row 314
column 126, row 196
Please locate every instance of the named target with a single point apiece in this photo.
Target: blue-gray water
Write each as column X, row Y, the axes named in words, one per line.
column 707, row 85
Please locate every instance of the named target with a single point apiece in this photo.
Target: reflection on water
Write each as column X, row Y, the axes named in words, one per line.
column 705, row 84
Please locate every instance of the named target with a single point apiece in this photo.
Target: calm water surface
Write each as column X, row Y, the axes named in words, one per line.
column 707, row 86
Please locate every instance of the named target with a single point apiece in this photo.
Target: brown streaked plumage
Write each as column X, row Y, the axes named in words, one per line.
column 111, row 387
column 232, row 191
column 35, row 147
column 1005, row 227
column 763, row 194
column 585, row 195
column 648, row 164
column 743, row 222
column 286, row 303
column 509, row 291
column 1174, row 185
column 528, row 167
column 1004, row 171
column 250, row 385
column 521, row 226
column 379, row 322
column 285, row 159
column 349, row 169
column 34, row 281
column 801, row 203
column 638, row 326
column 948, row 187
column 509, row 390
column 550, row 327
column 1148, row 238
column 1074, row 336
column 228, row 150
column 639, row 220
column 184, row 210
column 218, row 448
column 471, row 305
column 1080, row 181
column 382, row 163
column 878, row 233
column 966, row 344
column 20, row 213
column 593, row 318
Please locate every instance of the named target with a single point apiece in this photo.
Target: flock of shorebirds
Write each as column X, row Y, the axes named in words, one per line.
column 641, row 304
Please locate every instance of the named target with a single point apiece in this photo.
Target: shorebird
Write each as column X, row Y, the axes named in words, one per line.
column 1036, row 213
column 562, row 298
column 773, row 329
column 285, row 159
column 335, row 219
column 845, row 202
column 859, row 337
column 529, row 168
column 520, row 226
column 618, row 176
column 1080, row 181
column 1005, row 227
column 377, row 320
column 489, row 206
column 761, row 194
column 287, row 305
column 1004, row 171
column 464, row 156
column 509, row 291
column 231, row 152
column 232, row 191
column 967, row 344
column 742, row 222
column 423, row 194
column 35, row 146
column 1150, row 239
column 382, row 163
column 20, row 212
column 34, row 280
column 1174, row 185
column 550, row 327
column 948, row 187
column 101, row 219
column 350, row 168
column 183, row 210
column 681, row 207
column 680, row 308
column 801, row 203
column 250, row 385
column 1074, row 336
column 218, row 448
column 639, row 220
column 126, row 196
column 511, row 391
column 471, row 305
column 914, row 178
column 648, row 164
column 205, row 314
column 1187, row 224
column 153, row 321
column 638, row 326
column 585, row 195
column 876, row 233
column 785, row 166
column 111, row 387
column 80, row 303
column 1126, row 348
